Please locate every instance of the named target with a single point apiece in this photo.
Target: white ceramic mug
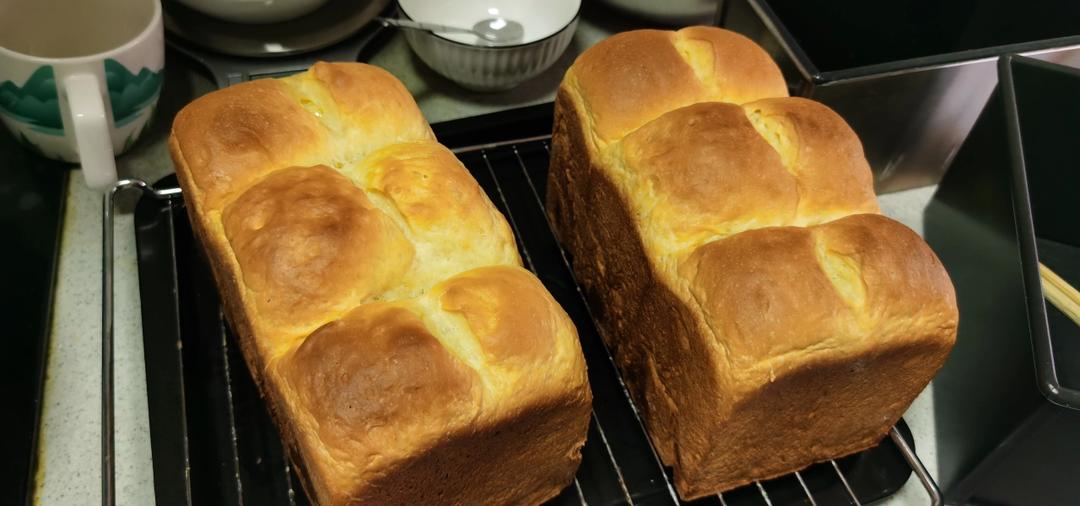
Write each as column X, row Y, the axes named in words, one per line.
column 79, row 80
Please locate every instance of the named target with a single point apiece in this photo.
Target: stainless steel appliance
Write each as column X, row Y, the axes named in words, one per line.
column 1007, row 402
column 910, row 76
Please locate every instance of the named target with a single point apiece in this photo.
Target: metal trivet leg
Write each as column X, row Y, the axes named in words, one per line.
column 917, row 466
column 108, row 464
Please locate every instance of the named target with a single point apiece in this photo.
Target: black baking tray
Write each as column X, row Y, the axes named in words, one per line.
column 33, row 192
column 1007, row 402
column 227, row 70
column 213, row 441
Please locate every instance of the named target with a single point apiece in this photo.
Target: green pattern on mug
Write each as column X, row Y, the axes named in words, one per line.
column 130, row 93
column 35, row 103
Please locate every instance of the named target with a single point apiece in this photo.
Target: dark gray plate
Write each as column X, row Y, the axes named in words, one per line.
column 333, row 22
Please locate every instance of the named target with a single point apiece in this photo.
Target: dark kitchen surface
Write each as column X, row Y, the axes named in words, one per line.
column 1006, row 435
column 843, row 34
column 909, row 76
column 32, row 192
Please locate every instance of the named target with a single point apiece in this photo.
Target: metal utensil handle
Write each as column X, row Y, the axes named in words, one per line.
column 418, row 25
column 931, row 486
column 1046, row 356
column 108, row 464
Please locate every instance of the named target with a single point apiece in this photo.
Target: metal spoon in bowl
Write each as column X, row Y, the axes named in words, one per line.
column 492, row 30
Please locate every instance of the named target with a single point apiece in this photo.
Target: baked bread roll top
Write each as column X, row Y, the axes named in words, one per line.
column 773, row 295
column 712, row 169
column 378, row 295
column 631, row 78
column 764, row 316
column 311, row 246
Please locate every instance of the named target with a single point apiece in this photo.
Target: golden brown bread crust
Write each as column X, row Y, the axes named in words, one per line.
column 832, row 182
column 378, row 296
column 477, row 454
column 240, row 133
column 686, row 174
column 655, row 71
column 774, row 291
column 762, row 319
column 675, row 167
column 765, row 294
column 490, row 301
column 311, row 245
column 403, row 382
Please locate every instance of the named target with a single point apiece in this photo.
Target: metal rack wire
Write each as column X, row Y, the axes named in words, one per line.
column 108, row 464
column 619, row 464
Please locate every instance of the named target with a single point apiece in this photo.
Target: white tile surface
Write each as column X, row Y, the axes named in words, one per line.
column 70, row 444
column 908, row 208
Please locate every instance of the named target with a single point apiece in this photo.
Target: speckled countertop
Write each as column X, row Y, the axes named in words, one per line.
column 69, row 469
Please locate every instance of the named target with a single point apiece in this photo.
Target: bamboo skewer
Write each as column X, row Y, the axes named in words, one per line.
column 1060, row 293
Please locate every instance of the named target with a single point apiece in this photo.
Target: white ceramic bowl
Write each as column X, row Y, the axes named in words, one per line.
column 465, row 59
column 254, row 11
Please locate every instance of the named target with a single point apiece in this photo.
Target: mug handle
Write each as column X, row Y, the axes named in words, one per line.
column 91, row 127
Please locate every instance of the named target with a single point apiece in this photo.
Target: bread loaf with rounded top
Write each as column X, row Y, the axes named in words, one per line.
column 764, row 315
column 378, row 296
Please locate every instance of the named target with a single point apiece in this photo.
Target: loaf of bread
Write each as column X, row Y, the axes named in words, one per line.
column 378, row 296
column 763, row 315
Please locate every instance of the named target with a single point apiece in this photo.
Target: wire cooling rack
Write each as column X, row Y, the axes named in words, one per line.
column 214, row 443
